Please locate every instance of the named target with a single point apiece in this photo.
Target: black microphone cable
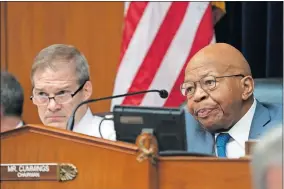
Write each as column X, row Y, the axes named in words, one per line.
column 70, row 124
column 105, row 118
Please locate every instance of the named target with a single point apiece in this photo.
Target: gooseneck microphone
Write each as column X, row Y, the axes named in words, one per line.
column 70, row 124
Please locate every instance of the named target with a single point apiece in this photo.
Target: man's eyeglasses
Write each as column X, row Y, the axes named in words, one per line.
column 207, row 83
column 64, row 97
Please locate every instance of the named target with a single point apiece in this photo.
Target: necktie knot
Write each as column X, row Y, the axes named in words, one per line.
column 221, row 142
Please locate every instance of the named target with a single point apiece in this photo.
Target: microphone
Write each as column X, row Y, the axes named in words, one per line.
column 70, row 124
column 163, row 93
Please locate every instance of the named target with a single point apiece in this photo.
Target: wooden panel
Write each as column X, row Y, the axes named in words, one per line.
column 204, row 173
column 95, row 28
column 3, row 35
column 101, row 164
column 112, row 164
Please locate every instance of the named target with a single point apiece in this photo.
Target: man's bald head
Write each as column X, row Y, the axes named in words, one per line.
column 219, row 86
column 223, row 56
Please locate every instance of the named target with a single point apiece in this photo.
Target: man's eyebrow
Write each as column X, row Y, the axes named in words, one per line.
column 64, row 88
column 187, row 80
column 39, row 89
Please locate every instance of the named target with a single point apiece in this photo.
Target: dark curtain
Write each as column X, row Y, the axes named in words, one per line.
column 256, row 29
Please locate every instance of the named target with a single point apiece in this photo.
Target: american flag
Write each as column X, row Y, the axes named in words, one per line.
column 159, row 38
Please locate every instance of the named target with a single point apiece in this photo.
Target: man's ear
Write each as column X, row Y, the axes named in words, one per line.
column 248, row 87
column 87, row 90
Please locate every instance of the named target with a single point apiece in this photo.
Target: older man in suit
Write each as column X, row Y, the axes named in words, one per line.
column 219, row 89
column 267, row 160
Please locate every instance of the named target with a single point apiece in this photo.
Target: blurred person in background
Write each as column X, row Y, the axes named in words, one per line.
column 267, row 160
column 12, row 99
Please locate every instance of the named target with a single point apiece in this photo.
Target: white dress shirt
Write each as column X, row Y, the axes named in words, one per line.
column 239, row 134
column 20, row 124
column 89, row 125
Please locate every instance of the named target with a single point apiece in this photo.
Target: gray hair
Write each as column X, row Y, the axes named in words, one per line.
column 267, row 152
column 47, row 57
column 12, row 95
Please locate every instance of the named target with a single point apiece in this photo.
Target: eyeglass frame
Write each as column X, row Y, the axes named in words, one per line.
column 194, row 82
column 72, row 95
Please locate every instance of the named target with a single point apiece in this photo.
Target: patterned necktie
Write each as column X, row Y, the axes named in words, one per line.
column 221, row 142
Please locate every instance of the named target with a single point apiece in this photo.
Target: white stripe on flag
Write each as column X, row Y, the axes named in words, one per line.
column 213, row 39
column 138, row 47
column 126, row 6
column 177, row 54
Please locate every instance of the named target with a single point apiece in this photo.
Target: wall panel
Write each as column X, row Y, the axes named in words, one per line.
column 3, row 35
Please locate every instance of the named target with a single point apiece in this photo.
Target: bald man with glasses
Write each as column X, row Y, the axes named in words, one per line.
column 218, row 87
column 61, row 80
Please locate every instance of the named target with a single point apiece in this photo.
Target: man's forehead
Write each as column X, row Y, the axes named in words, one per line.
column 200, row 71
column 43, row 79
column 53, row 85
column 220, row 58
column 54, row 74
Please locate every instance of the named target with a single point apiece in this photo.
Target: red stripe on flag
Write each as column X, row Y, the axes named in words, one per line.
column 157, row 51
column 131, row 20
column 202, row 38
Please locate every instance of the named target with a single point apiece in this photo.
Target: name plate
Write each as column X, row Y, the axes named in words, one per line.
column 38, row 172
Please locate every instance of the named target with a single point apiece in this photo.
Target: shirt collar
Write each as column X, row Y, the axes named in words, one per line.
column 240, row 131
column 85, row 120
column 21, row 123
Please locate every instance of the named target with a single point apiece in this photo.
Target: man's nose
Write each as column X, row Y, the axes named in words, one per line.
column 53, row 106
column 199, row 94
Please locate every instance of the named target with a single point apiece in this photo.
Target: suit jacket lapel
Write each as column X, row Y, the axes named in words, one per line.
column 198, row 140
column 260, row 119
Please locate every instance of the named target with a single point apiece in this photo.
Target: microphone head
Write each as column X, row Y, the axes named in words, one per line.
column 163, row 93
